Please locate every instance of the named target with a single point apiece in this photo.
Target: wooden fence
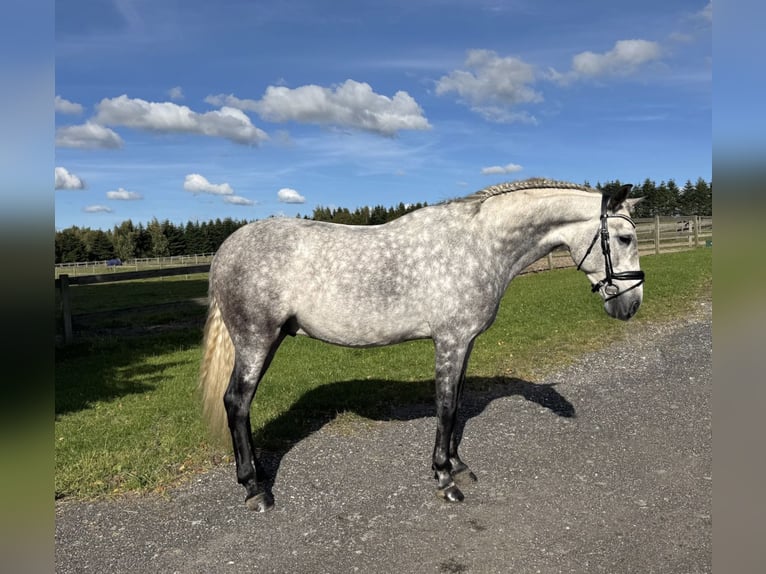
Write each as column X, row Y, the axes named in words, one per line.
column 655, row 235
column 129, row 265
column 64, row 282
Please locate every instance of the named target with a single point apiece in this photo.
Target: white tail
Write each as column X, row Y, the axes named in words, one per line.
column 215, row 370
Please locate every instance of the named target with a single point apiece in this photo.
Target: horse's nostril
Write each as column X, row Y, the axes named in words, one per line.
column 634, row 307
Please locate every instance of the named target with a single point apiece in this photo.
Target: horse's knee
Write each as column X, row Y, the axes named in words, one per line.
column 441, row 461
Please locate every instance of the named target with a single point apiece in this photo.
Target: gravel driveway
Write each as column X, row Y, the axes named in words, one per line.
column 605, row 466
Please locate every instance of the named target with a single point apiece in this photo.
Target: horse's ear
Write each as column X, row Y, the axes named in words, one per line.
column 618, row 197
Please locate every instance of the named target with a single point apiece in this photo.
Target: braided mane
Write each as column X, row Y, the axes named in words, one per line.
column 519, row 185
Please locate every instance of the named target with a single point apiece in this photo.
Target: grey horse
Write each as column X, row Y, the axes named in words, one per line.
column 438, row 272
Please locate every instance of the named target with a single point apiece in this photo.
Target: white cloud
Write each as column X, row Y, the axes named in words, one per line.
column 352, row 104
column 681, row 38
column 66, row 107
column 287, row 195
column 707, row 12
column 123, row 194
column 503, row 115
column 501, row 169
column 167, row 117
column 64, row 179
column 89, row 135
column 176, row 93
column 238, row 200
column 233, row 101
column 491, row 85
column 196, row 183
column 625, row 58
column 97, row 209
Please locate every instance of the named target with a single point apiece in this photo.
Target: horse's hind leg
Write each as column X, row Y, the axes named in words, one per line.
column 250, row 365
column 451, row 359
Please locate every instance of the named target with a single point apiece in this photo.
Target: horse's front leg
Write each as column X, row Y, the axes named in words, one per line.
column 461, row 473
column 451, row 359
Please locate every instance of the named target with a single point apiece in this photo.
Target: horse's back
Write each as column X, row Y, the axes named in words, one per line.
column 351, row 285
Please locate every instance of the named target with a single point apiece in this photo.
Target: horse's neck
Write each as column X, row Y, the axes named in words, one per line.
column 528, row 226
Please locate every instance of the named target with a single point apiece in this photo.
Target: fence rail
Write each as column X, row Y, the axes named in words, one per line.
column 654, row 235
column 131, row 275
column 143, row 263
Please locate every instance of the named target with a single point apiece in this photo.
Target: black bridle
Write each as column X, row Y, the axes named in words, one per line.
column 610, row 289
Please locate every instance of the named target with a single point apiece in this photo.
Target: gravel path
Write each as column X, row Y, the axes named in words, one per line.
column 605, row 466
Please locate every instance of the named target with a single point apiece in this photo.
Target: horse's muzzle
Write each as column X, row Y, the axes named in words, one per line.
column 626, row 305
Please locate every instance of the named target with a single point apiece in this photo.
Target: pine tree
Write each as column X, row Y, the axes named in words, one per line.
column 672, row 199
column 193, row 238
column 143, row 242
column 70, row 247
column 101, row 247
column 704, row 195
column 175, row 238
column 686, row 201
column 159, row 243
column 646, row 191
column 124, row 240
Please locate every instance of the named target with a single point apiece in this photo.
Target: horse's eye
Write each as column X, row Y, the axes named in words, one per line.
column 625, row 239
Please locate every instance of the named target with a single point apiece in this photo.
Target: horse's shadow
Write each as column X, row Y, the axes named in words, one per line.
column 322, row 405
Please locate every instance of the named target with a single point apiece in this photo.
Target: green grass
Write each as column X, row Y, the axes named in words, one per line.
column 128, row 418
column 549, row 319
column 106, row 296
column 102, row 298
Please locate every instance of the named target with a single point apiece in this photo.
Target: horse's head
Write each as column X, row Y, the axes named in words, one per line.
column 610, row 257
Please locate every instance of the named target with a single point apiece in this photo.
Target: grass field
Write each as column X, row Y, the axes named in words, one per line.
column 93, row 305
column 128, row 418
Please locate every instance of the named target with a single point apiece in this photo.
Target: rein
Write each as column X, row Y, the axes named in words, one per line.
column 606, row 283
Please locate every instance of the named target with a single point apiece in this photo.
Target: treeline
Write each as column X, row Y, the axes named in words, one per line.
column 164, row 238
column 155, row 239
column 364, row 215
column 668, row 199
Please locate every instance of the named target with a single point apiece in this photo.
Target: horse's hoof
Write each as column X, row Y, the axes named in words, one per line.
column 261, row 502
column 464, row 476
column 450, row 493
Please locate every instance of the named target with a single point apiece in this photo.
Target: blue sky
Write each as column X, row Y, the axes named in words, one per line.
column 191, row 110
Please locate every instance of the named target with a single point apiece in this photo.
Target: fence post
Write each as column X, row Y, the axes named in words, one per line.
column 550, row 260
column 66, row 307
column 696, row 231
column 657, row 234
